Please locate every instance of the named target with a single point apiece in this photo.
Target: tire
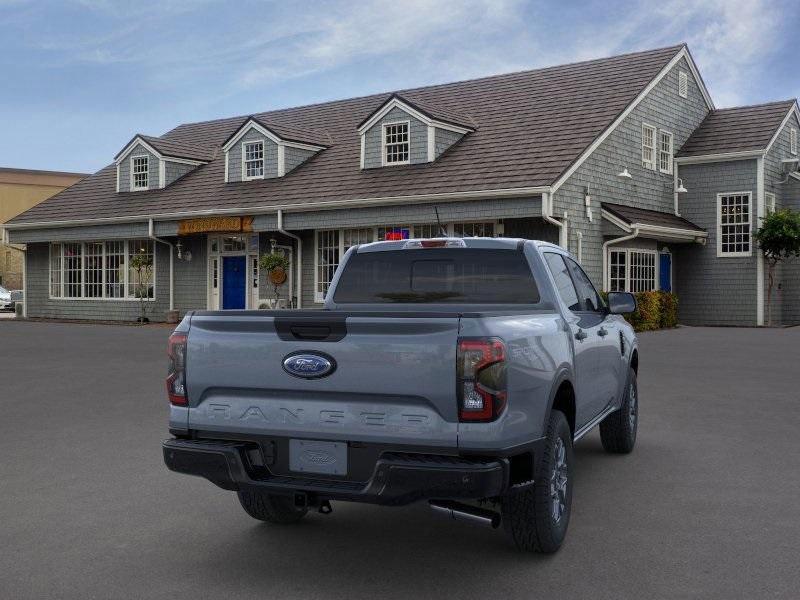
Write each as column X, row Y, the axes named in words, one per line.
column 618, row 430
column 271, row 508
column 537, row 517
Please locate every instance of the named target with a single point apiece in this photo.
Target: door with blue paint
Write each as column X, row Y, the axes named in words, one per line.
column 665, row 272
column 234, row 272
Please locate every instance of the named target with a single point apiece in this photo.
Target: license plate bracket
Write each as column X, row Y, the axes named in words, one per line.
column 317, row 456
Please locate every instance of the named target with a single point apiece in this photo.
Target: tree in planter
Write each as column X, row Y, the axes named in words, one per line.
column 142, row 265
column 276, row 266
column 779, row 239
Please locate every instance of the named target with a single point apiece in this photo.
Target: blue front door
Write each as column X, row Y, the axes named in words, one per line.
column 233, row 282
column 665, row 272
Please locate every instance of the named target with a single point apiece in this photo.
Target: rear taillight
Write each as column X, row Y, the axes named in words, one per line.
column 481, row 378
column 176, row 378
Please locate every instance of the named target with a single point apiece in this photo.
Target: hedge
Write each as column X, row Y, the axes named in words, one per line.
column 656, row 310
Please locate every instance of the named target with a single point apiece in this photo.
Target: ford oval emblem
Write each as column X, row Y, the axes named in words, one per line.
column 309, row 365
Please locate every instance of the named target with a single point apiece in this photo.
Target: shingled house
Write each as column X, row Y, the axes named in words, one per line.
column 623, row 160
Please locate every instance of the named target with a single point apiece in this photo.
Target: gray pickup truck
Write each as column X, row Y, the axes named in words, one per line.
column 456, row 371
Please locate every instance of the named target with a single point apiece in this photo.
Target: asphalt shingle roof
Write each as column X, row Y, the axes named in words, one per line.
column 530, row 127
column 631, row 215
column 737, row 129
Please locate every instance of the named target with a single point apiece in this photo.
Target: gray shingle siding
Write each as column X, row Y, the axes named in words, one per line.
column 175, row 170
column 418, row 138
column 270, row 156
column 93, row 232
column 714, row 290
column 125, row 169
column 786, row 287
column 648, row 189
column 294, row 157
column 443, row 139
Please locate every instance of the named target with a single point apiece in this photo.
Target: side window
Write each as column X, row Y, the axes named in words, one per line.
column 564, row 285
column 589, row 298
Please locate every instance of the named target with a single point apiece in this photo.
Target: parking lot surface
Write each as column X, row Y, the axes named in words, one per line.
column 705, row 507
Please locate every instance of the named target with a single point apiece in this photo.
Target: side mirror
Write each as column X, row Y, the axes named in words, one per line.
column 621, row 303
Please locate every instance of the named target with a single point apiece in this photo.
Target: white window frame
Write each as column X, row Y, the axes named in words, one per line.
column 320, row 296
column 720, row 253
column 384, row 126
column 665, row 155
column 793, row 140
column 649, row 164
column 263, row 160
column 769, row 202
column 104, row 298
column 683, row 84
column 628, row 263
column 133, row 159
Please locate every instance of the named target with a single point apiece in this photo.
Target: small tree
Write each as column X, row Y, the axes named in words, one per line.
column 779, row 239
column 275, row 265
column 142, row 265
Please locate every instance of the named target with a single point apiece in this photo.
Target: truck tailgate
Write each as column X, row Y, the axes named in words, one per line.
column 394, row 378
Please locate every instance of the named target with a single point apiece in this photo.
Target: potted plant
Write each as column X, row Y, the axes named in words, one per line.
column 276, row 265
column 142, row 265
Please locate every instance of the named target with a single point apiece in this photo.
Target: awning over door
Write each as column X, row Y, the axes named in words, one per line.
column 652, row 224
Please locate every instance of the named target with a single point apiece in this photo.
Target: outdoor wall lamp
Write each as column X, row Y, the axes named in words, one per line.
column 625, row 174
column 183, row 255
column 680, row 189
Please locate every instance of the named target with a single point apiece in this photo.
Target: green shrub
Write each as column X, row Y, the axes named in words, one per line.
column 656, row 310
column 669, row 310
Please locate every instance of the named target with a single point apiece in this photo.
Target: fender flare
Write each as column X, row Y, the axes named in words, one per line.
column 562, row 373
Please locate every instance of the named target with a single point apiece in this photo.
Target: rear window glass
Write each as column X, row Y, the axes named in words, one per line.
column 438, row 275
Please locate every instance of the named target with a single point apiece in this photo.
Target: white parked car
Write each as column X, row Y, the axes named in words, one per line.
column 5, row 299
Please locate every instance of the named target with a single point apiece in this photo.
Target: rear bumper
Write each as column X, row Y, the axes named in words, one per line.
column 398, row 478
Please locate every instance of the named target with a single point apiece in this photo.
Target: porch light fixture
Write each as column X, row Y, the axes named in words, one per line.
column 185, row 256
column 625, row 174
column 680, row 189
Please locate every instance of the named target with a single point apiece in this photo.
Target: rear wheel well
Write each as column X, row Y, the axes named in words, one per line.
column 564, row 401
column 635, row 362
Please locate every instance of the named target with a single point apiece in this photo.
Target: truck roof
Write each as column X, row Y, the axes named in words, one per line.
column 497, row 243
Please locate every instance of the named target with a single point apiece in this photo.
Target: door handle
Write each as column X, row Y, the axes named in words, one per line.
column 580, row 335
column 602, row 332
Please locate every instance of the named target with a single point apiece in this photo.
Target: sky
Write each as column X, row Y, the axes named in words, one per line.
column 80, row 78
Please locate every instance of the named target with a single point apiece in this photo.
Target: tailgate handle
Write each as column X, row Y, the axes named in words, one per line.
column 311, row 332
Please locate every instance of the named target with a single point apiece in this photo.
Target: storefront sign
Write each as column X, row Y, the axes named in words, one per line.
column 218, row 224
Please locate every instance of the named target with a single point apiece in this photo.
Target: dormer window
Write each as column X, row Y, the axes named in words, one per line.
column 396, row 148
column 140, row 169
column 253, row 153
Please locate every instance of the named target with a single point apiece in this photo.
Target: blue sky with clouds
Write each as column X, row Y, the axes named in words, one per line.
column 81, row 77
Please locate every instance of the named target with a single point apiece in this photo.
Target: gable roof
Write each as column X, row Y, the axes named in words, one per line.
column 282, row 131
column 640, row 216
column 530, row 127
column 170, row 148
column 738, row 129
column 432, row 112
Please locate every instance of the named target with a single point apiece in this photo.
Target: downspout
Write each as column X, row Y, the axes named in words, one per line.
column 675, row 188
column 282, row 231
column 625, row 238
column 547, row 211
column 579, row 235
column 151, row 234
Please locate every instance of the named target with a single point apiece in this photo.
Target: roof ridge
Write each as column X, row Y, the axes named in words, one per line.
column 390, row 93
column 759, row 105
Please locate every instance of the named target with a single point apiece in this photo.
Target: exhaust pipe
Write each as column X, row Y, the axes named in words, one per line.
column 459, row 511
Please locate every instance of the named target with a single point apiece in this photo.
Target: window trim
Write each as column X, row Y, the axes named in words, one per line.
column 661, row 152
column 651, row 166
column 683, row 84
column 384, row 163
column 133, row 186
column 769, row 202
column 720, row 253
column 793, row 141
column 627, row 252
column 125, row 282
column 263, row 175
column 319, row 297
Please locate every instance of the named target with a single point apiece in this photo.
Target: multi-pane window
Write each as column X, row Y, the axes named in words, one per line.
column 683, row 84
column 632, row 271
column 354, row 237
column 429, row 231
column 473, row 229
column 98, row 269
column 140, row 166
column 665, row 152
column 397, row 232
column 395, row 143
column 769, row 200
column 648, row 146
column 793, row 140
column 734, row 223
column 253, row 160
column 327, row 260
